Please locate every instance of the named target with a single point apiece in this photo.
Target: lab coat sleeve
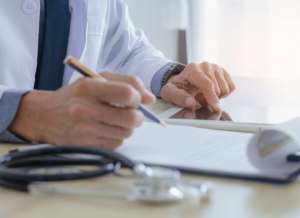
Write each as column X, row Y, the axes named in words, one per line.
column 126, row 49
column 156, row 81
column 2, row 90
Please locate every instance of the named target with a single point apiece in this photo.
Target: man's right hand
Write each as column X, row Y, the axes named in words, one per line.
column 81, row 114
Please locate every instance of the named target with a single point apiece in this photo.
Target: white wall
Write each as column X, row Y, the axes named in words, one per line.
column 251, row 38
column 147, row 15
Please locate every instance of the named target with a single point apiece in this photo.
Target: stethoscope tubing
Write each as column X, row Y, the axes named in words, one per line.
column 69, row 150
column 18, row 178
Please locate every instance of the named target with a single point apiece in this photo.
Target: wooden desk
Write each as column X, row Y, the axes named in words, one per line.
column 231, row 198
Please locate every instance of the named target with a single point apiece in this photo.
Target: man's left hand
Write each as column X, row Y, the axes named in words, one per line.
column 204, row 83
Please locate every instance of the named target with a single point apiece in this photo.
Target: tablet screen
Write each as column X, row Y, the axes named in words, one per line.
column 239, row 114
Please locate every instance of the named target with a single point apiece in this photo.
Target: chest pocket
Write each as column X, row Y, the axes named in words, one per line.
column 96, row 14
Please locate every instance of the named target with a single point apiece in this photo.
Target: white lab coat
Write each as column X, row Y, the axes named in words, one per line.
column 101, row 36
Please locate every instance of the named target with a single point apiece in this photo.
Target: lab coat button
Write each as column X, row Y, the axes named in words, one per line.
column 29, row 7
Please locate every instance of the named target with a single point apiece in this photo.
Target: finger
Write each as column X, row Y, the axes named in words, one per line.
column 226, row 116
column 147, row 97
column 215, row 116
column 201, row 99
column 127, row 118
column 116, row 92
column 203, row 113
column 209, row 71
column 229, row 81
column 101, row 130
column 185, row 114
column 123, row 117
column 177, row 96
column 189, row 114
column 206, row 85
column 224, row 89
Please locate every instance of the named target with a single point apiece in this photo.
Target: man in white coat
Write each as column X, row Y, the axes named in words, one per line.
column 43, row 101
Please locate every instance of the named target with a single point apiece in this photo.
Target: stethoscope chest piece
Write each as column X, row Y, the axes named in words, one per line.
column 159, row 184
column 162, row 184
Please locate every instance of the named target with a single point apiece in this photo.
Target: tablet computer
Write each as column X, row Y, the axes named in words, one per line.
column 236, row 114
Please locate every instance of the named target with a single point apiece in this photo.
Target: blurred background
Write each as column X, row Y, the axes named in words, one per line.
column 256, row 38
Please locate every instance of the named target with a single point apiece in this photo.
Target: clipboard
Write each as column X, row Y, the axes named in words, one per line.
column 217, row 153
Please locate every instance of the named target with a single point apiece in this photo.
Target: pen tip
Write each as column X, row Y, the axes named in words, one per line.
column 163, row 123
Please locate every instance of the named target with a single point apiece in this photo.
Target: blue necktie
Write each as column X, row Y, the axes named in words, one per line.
column 53, row 42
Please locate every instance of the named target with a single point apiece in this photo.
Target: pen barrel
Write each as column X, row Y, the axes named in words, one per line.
column 149, row 114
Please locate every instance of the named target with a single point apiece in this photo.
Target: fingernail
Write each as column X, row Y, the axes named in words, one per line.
column 217, row 106
column 189, row 115
column 190, row 102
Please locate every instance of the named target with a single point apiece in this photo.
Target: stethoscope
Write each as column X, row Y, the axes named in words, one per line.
column 24, row 170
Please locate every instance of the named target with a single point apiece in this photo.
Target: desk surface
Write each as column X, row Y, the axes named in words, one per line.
column 231, row 198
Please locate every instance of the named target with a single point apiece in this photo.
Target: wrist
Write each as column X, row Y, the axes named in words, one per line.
column 27, row 122
column 174, row 70
column 173, row 77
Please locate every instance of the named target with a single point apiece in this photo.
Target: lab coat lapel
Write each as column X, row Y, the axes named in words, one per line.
column 94, row 16
column 77, row 37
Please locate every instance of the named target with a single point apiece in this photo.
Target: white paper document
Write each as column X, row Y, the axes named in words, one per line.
column 195, row 149
column 261, row 156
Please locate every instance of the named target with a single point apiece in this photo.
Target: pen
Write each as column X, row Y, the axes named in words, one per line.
column 75, row 64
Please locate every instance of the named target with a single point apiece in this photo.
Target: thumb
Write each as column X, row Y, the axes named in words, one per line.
column 180, row 97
